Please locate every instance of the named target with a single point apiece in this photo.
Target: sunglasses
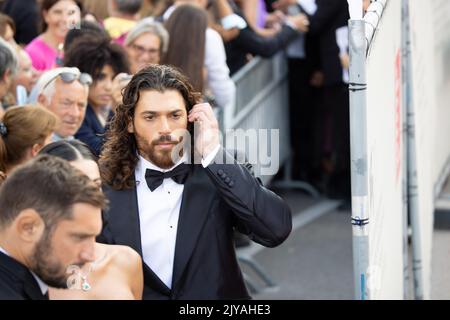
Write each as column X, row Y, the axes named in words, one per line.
column 69, row 77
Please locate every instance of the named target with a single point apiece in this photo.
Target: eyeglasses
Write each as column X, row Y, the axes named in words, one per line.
column 69, row 77
column 141, row 50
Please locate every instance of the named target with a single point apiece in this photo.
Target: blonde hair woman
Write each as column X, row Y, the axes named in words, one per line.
column 23, row 132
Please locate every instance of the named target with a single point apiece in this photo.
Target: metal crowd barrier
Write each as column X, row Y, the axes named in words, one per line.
column 262, row 102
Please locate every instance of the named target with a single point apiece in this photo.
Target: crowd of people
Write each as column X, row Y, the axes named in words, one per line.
column 102, row 89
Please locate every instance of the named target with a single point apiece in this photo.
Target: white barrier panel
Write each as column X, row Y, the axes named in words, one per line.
column 384, row 146
column 430, row 54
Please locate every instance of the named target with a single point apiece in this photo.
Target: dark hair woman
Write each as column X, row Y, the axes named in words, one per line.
column 103, row 60
column 187, row 32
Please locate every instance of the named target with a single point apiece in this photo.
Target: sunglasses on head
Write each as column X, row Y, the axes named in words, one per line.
column 69, row 77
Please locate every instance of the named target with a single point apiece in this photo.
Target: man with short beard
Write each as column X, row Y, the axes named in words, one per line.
column 50, row 215
column 178, row 206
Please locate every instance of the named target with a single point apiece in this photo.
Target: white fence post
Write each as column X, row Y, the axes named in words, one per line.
column 358, row 142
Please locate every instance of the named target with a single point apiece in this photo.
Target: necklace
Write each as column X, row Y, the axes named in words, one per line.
column 85, row 286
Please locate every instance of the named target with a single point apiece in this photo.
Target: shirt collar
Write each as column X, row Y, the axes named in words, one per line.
column 4, row 251
column 56, row 137
column 145, row 164
column 42, row 285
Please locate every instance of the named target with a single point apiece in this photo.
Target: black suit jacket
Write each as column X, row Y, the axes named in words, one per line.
column 91, row 131
column 215, row 200
column 330, row 15
column 17, row 282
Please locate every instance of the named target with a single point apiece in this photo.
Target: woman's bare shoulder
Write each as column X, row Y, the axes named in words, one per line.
column 123, row 257
column 129, row 263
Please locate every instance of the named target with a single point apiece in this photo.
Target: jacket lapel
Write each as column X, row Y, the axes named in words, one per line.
column 195, row 206
column 151, row 279
column 124, row 218
column 125, row 226
column 22, row 277
column 32, row 289
column 90, row 114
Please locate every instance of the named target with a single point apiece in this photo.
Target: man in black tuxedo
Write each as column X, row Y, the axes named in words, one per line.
column 50, row 215
column 330, row 16
column 180, row 217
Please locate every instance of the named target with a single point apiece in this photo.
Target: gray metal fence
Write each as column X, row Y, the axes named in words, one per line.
column 262, row 102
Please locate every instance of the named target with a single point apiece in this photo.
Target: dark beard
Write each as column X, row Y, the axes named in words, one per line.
column 46, row 266
column 164, row 159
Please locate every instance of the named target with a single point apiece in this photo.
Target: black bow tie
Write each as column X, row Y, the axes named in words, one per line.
column 155, row 178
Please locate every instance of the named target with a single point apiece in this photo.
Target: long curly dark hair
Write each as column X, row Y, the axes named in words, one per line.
column 120, row 155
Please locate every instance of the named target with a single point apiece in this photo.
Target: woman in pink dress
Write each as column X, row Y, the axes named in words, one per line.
column 58, row 16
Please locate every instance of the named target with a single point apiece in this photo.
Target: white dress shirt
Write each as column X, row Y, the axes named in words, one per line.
column 42, row 285
column 218, row 73
column 342, row 42
column 158, row 215
column 310, row 6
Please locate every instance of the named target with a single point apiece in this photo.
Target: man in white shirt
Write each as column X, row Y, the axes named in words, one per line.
column 50, row 216
column 175, row 203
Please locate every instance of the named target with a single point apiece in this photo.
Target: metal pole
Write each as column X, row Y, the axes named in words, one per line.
column 413, row 199
column 359, row 161
column 405, row 57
